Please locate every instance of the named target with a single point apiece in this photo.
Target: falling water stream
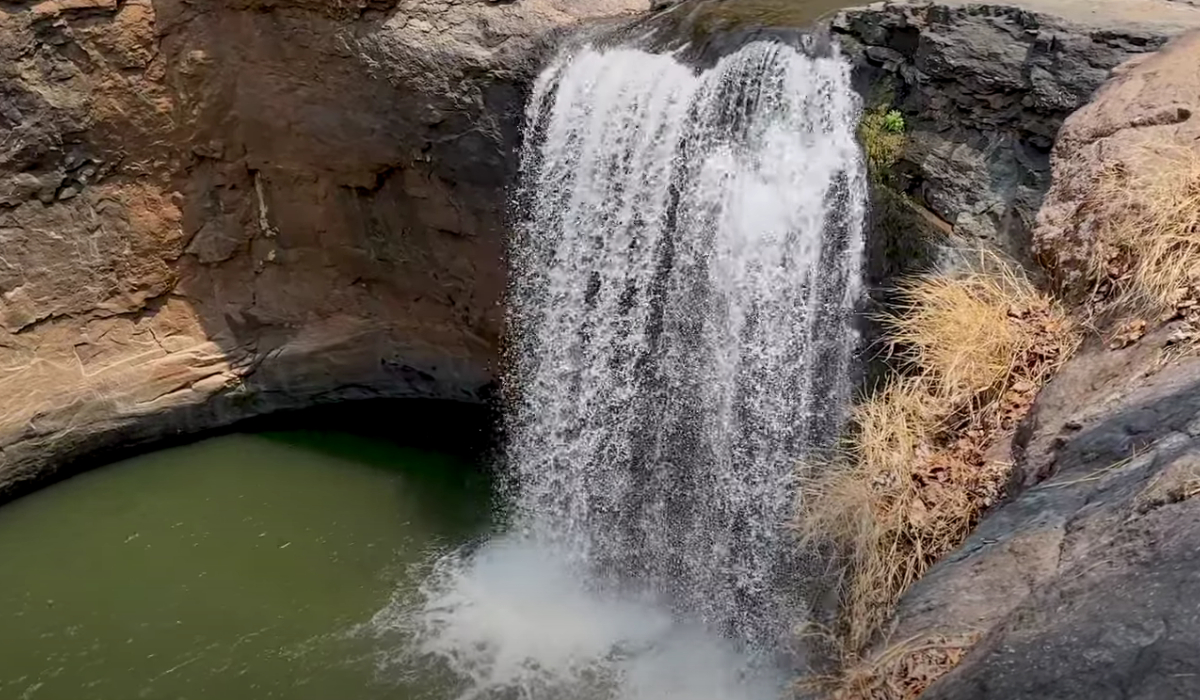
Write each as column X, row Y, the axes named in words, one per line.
column 683, row 276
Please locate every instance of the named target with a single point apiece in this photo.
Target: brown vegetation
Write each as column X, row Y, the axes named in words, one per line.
column 1144, row 260
column 975, row 345
column 902, row 671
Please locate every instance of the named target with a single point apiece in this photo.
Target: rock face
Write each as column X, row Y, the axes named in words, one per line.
column 984, row 90
column 1144, row 115
column 1084, row 585
column 214, row 210
column 1087, row 581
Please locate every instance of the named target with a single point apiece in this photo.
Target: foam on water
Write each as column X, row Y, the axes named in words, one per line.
column 513, row 620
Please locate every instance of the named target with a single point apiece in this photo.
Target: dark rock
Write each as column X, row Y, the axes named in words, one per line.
column 984, row 90
column 1086, row 582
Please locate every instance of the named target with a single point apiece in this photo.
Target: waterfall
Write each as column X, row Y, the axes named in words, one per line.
column 684, row 270
column 683, row 280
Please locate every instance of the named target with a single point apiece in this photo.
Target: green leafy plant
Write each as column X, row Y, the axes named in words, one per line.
column 882, row 134
column 893, row 122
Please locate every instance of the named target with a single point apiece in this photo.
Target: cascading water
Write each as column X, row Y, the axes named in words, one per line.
column 684, row 275
column 683, row 285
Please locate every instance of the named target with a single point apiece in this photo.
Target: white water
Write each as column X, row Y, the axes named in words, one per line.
column 683, row 281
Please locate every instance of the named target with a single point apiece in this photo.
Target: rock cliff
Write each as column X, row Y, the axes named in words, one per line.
column 985, row 89
column 214, row 210
column 1083, row 586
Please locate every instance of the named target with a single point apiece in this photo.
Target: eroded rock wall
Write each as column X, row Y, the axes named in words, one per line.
column 214, row 210
column 985, row 89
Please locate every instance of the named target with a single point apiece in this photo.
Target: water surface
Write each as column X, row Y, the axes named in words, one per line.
column 237, row 568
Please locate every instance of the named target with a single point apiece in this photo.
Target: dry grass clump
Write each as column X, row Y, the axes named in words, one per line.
column 985, row 326
column 1145, row 257
column 914, row 477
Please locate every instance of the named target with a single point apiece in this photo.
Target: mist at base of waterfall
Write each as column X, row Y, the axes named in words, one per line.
column 512, row 620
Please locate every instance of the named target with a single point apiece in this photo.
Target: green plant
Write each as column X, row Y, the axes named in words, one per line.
column 893, row 122
column 881, row 132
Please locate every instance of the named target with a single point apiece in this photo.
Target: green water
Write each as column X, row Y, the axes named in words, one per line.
column 233, row 569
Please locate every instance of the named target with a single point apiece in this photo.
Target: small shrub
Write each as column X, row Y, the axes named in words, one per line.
column 913, row 479
column 893, row 122
column 882, row 134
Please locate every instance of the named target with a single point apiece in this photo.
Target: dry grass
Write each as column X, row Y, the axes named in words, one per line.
column 1146, row 254
column 900, row 672
column 897, row 502
column 914, row 478
column 978, row 329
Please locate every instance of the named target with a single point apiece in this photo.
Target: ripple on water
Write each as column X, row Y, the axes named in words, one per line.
column 230, row 569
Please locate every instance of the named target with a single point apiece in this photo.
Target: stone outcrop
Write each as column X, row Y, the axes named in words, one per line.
column 984, row 90
column 214, row 210
column 1143, row 119
column 1084, row 584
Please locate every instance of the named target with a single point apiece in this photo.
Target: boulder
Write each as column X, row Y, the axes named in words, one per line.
column 210, row 211
column 1149, row 111
column 1083, row 585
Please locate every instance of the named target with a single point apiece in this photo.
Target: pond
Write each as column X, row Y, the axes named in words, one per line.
column 241, row 567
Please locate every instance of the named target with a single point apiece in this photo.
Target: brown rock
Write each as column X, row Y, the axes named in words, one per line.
column 211, row 211
column 1150, row 107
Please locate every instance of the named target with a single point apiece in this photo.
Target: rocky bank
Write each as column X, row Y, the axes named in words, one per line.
column 1084, row 584
column 214, row 210
column 984, row 90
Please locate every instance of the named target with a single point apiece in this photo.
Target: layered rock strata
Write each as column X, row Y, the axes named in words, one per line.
column 214, row 210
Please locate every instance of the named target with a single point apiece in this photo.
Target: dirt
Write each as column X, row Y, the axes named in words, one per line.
column 1170, row 16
